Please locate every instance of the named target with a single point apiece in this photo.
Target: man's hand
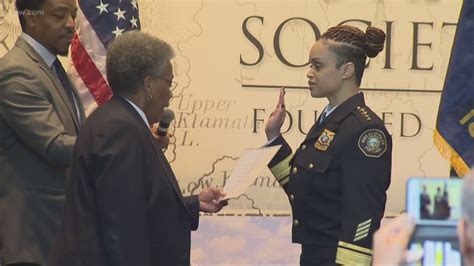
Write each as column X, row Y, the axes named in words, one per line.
column 209, row 200
column 275, row 122
column 391, row 241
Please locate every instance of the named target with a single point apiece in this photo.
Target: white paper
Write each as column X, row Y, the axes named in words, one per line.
column 249, row 166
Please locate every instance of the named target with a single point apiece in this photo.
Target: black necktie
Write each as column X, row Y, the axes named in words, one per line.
column 66, row 84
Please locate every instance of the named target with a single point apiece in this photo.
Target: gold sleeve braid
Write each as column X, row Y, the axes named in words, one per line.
column 281, row 171
column 350, row 254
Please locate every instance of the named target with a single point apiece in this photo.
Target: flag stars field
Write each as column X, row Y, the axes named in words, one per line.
column 102, row 8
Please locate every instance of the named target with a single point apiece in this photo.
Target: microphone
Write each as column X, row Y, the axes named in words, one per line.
column 165, row 122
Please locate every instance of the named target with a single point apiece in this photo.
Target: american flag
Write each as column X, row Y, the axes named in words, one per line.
column 98, row 23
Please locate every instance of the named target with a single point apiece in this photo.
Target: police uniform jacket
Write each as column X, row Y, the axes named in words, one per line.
column 337, row 179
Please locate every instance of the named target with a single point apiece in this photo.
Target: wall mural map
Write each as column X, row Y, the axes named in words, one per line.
column 232, row 56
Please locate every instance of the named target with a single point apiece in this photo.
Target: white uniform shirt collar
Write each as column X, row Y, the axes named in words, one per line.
column 328, row 110
column 140, row 112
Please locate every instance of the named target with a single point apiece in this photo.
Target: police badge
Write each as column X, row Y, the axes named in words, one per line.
column 324, row 140
column 373, row 143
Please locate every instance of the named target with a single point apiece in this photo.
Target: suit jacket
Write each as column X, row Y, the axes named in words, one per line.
column 337, row 180
column 38, row 128
column 123, row 202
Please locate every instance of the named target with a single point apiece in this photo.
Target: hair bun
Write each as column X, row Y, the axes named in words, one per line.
column 374, row 42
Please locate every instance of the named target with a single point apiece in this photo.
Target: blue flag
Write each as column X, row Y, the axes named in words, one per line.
column 454, row 134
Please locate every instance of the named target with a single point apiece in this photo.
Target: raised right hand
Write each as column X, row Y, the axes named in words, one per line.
column 275, row 122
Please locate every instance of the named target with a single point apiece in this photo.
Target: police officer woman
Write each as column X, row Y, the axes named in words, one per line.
column 337, row 179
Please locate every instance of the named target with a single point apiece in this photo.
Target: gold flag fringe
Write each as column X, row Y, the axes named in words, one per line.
column 450, row 154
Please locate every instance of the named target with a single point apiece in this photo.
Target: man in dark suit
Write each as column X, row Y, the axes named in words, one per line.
column 40, row 116
column 123, row 203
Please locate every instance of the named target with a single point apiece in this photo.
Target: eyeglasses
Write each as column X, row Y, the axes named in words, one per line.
column 171, row 84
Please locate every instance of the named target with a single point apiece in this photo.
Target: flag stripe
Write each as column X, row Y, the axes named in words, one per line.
column 91, row 42
column 89, row 74
column 86, row 96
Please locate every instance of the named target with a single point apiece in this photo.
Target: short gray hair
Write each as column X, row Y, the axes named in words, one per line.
column 467, row 202
column 133, row 56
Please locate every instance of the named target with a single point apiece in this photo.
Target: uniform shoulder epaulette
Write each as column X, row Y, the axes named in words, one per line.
column 363, row 114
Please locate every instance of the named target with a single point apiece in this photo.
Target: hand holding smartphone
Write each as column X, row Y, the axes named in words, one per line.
column 435, row 203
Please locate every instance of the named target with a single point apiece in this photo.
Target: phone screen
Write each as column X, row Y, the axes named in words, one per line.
column 436, row 205
column 434, row 201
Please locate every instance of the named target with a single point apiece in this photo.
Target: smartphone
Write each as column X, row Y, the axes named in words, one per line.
column 436, row 205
